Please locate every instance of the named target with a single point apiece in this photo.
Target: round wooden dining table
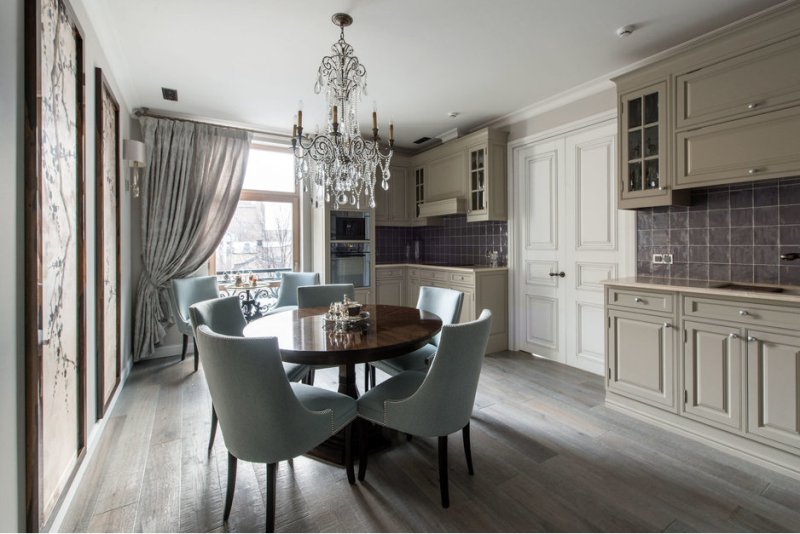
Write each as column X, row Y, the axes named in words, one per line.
column 390, row 331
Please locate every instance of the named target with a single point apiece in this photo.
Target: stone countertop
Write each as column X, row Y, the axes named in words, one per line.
column 460, row 268
column 790, row 294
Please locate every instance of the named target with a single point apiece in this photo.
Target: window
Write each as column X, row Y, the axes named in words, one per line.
column 263, row 237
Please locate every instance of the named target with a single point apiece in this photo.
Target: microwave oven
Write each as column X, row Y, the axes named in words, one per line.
column 349, row 226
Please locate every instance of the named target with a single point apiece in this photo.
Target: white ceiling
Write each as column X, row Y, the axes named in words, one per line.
column 252, row 60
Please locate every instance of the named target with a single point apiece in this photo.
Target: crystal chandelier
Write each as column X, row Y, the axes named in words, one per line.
column 340, row 166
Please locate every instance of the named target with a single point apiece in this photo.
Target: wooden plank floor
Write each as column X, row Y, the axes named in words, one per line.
column 549, row 456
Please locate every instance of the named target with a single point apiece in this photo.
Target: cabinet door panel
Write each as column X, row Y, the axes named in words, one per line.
column 390, row 292
column 713, row 373
column 446, row 177
column 773, row 385
column 641, row 357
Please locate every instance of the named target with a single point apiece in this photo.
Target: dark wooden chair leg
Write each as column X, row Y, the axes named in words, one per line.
column 348, row 453
column 409, row 437
column 310, row 377
column 213, row 428
column 443, row 487
column 271, row 475
column 467, row 449
column 366, row 376
column 231, row 486
column 362, row 450
column 372, row 372
column 196, row 355
column 185, row 346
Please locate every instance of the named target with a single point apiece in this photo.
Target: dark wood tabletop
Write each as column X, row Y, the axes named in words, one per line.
column 302, row 338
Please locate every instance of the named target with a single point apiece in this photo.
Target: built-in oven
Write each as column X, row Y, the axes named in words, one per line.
column 351, row 263
column 350, row 226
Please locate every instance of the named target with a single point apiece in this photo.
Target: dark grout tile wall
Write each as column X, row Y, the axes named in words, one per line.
column 731, row 233
column 454, row 242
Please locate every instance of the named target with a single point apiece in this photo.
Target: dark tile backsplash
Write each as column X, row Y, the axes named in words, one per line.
column 731, row 233
column 454, row 242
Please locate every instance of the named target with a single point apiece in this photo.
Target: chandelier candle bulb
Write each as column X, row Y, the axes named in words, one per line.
column 300, row 118
column 374, row 120
column 335, row 116
column 391, row 132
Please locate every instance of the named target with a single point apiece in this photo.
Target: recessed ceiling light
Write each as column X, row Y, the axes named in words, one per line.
column 625, row 30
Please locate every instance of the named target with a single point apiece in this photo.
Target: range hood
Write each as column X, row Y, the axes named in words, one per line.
column 448, row 206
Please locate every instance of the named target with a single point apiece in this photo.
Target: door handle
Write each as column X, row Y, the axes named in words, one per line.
column 561, row 274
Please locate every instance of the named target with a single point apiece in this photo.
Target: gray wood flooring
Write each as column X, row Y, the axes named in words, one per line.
column 549, row 456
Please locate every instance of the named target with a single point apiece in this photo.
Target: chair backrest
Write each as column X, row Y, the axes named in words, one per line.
column 446, row 303
column 259, row 414
column 312, row 296
column 443, row 403
column 287, row 293
column 186, row 291
column 223, row 315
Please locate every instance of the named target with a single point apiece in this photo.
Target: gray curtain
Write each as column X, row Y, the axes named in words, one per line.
column 190, row 190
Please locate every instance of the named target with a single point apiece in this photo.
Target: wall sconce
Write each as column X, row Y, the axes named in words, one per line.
column 133, row 153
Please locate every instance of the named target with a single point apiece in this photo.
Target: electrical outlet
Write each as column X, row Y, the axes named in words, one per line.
column 658, row 258
column 668, row 259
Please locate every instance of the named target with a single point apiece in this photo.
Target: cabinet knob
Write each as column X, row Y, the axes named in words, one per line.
column 744, row 313
column 752, row 171
column 752, row 105
column 733, row 335
column 751, row 339
column 663, row 188
column 638, row 299
column 667, row 325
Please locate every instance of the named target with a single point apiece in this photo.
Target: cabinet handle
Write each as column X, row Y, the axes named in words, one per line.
column 562, row 274
column 733, row 335
column 751, row 339
column 752, row 105
column 744, row 313
column 752, row 171
column 667, row 325
column 638, row 299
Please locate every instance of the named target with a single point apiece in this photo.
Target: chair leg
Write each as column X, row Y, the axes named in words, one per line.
column 366, row 376
column 362, row 450
column 409, row 437
column 185, row 346
column 213, row 428
column 467, row 449
column 271, row 475
column 231, row 486
column 372, row 372
column 310, row 377
column 443, row 487
column 196, row 355
column 348, row 453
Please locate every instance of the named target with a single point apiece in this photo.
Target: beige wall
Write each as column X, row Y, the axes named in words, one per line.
column 12, row 364
column 555, row 118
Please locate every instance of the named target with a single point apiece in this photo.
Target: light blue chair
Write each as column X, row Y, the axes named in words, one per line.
column 183, row 293
column 435, row 404
column 287, row 292
column 324, row 295
column 224, row 316
column 263, row 417
column 446, row 303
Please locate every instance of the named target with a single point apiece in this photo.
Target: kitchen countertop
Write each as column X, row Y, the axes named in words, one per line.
column 791, row 294
column 463, row 268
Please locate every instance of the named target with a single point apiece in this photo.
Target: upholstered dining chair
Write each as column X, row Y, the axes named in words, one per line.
column 287, row 292
column 265, row 418
column 183, row 293
column 324, row 295
column 446, row 303
column 435, row 404
column 224, row 316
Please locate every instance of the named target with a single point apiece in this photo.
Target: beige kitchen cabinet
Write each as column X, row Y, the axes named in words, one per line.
column 641, row 357
column 773, row 386
column 417, row 195
column 390, row 208
column 364, row 295
column 487, row 177
column 445, row 177
column 412, row 287
column 756, row 82
column 754, row 148
column 714, row 373
column 390, row 285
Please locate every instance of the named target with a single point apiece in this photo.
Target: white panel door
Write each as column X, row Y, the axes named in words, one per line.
column 540, row 308
column 591, row 250
column 569, row 238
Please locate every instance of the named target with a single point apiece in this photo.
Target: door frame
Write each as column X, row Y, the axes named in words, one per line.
column 627, row 238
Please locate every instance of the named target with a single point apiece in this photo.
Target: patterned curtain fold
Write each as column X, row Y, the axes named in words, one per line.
column 190, row 191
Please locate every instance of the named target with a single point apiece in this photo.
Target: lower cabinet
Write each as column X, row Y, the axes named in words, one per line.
column 713, row 373
column 773, row 386
column 391, row 292
column 364, row 295
column 641, row 357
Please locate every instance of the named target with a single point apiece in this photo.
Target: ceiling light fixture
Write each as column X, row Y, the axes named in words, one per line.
column 340, row 165
column 625, row 31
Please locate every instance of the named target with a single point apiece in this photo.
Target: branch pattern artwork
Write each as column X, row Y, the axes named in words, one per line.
column 58, row 252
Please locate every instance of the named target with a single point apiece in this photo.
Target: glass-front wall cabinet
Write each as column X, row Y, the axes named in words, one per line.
column 477, row 179
column 419, row 189
column 643, row 140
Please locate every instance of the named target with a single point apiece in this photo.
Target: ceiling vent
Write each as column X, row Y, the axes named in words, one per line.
column 422, row 140
column 169, row 94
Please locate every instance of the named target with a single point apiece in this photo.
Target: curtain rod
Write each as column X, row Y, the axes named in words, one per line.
column 159, row 114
